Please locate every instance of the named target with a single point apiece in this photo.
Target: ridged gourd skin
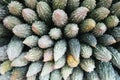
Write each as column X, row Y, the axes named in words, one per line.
column 90, row 39
column 44, row 11
column 87, row 65
column 59, row 39
column 56, row 75
column 11, row 21
column 115, row 9
column 106, row 71
column 71, row 30
column 78, row 14
column 74, row 53
column 59, row 18
column 5, row 67
column 29, row 15
column 112, row 21
column 31, row 41
column 33, row 77
column 77, row 74
column 102, row 53
column 48, row 55
column 66, row 71
column 34, row 54
column 60, row 63
column 55, row 33
column 22, row 30
column 100, row 13
column 74, row 46
column 99, row 29
column 39, row 28
column 59, row 4
column 105, row 3
column 42, row 42
column 106, row 40
column 47, row 68
column 46, row 77
column 90, row 4
column 36, row 67
column 72, row 5
column 20, row 73
column 31, row 3
column 87, row 25
column 86, row 51
column 92, row 76
column 116, row 56
column 11, row 48
column 71, row 61
column 20, row 61
column 116, row 33
column 59, row 49
column 15, row 8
